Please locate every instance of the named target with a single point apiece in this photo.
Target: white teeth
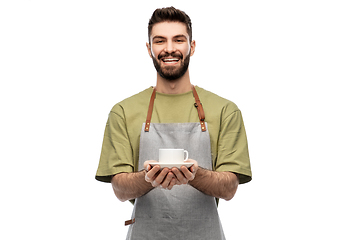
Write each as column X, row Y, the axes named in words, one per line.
column 170, row 60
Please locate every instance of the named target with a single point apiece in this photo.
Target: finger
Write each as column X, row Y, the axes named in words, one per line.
column 152, row 173
column 167, row 180
column 172, row 183
column 146, row 164
column 180, row 177
column 194, row 167
column 155, row 184
column 160, row 178
column 188, row 174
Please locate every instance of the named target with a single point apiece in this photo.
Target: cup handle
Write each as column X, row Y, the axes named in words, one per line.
column 187, row 155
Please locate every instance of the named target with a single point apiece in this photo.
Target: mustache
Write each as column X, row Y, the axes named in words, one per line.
column 175, row 55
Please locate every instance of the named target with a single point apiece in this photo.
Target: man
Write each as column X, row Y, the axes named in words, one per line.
column 175, row 203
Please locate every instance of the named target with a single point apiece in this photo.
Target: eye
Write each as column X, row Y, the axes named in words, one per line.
column 158, row 40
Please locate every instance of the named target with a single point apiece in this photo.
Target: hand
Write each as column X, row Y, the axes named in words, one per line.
column 184, row 175
column 159, row 178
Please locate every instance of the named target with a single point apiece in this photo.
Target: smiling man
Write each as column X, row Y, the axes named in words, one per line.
column 171, row 202
column 173, row 52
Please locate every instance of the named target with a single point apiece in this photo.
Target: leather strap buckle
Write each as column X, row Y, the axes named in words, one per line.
column 129, row 222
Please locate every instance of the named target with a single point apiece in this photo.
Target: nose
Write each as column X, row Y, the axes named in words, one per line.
column 170, row 48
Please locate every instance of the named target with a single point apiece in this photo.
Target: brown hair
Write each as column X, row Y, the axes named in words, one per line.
column 169, row 14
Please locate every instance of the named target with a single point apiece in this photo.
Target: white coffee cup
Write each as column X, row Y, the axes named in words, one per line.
column 170, row 155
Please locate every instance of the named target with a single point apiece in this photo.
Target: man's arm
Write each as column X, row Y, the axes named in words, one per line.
column 129, row 186
column 217, row 184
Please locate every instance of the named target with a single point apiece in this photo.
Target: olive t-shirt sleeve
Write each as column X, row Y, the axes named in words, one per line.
column 232, row 147
column 116, row 155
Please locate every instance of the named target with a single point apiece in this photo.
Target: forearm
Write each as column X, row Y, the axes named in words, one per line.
column 217, row 184
column 129, row 186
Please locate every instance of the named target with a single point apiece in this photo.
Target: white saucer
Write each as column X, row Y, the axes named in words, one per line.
column 171, row 165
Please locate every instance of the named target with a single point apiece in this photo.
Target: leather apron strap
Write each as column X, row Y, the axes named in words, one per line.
column 200, row 109
column 197, row 104
column 150, row 110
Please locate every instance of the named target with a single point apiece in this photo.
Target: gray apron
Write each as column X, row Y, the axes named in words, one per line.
column 182, row 212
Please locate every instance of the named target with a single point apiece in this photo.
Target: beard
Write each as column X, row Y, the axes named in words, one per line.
column 171, row 73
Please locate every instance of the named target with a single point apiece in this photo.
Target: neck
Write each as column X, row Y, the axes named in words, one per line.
column 178, row 86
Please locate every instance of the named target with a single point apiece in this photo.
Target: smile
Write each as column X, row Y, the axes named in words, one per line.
column 170, row 61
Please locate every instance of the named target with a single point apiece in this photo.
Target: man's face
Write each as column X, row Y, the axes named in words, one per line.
column 170, row 49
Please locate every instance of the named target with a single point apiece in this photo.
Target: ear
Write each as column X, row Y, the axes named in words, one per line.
column 192, row 47
column 149, row 50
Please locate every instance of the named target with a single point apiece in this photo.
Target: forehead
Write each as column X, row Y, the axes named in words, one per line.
column 169, row 29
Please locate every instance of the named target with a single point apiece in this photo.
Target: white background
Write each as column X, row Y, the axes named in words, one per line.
column 64, row 64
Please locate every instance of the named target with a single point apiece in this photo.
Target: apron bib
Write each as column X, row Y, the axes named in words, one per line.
column 182, row 212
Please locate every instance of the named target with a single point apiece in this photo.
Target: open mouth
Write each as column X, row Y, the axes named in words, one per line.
column 170, row 60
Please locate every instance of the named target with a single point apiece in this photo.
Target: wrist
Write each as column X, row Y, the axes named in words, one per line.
column 198, row 173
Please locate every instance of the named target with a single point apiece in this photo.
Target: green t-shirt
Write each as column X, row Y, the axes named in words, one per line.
column 120, row 149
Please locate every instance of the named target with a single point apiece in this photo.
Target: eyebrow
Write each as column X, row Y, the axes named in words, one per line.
column 177, row 36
